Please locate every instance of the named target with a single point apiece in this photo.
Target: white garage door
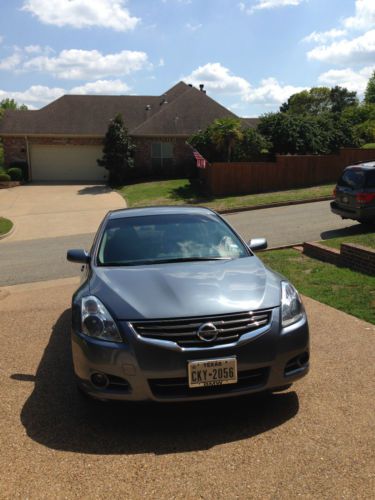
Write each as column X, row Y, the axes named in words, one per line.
column 66, row 163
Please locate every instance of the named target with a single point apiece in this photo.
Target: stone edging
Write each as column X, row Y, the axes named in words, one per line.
column 10, row 184
column 274, row 205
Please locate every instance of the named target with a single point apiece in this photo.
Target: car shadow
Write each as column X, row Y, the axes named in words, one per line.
column 347, row 231
column 58, row 416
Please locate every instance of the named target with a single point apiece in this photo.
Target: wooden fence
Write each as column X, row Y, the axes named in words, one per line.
column 287, row 172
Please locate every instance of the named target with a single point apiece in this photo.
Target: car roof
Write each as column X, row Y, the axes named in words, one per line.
column 366, row 165
column 159, row 210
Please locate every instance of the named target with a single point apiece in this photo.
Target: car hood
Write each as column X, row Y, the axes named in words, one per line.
column 178, row 290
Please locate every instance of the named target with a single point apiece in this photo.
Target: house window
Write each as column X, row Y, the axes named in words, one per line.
column 162, row 154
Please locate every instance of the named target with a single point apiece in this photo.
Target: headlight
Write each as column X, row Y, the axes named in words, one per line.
column 291, row 305
column 97, row 322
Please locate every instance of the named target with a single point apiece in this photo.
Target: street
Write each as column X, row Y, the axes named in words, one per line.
column 45, row 259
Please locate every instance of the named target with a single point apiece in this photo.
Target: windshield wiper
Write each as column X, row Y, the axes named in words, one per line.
column 187, row 259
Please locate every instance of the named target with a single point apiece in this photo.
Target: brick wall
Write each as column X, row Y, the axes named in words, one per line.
column 358, row 258
column 14, row 149
column 182, row 163
column 355, row 257
column 320, row 252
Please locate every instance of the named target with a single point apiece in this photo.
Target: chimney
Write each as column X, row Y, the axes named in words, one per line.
column 201, row 86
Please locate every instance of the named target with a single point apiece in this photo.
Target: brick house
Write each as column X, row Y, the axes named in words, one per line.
column 63, row 140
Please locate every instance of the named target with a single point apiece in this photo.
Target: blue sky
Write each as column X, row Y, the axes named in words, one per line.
column 250, row 54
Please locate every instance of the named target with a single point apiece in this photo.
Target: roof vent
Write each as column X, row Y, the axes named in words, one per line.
column 164, row 99
column 201, row 86
column 190, row 84
column 148, row 107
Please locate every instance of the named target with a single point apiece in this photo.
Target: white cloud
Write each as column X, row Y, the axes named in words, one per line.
column 267, row 4
column 38, row 96
column 324, row 36
column 348, row 78
column 75, row 64
column 217, row 78
column 364, row 17
column 103, row 87
column 11, row 62
column 360, row 50
column 83, row 13
column 193, row 27
column 271, row 92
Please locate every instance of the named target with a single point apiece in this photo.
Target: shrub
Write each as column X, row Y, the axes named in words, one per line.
column 4, row 177
column 15, row 174
column 23, row 166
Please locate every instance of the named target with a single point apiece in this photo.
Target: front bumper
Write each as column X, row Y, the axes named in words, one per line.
column 355, row 213
column 144, row 370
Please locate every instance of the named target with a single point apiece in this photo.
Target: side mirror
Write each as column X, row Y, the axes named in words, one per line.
column 258, row 244
column 78, row 256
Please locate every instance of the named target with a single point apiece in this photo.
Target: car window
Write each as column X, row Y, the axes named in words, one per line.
column 163, row 238
column 370, row 179
column 353, row 178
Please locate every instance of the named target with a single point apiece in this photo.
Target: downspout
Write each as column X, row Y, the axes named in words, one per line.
column 28, row 158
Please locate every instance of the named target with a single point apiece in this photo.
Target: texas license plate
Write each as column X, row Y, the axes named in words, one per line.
column 210, row 372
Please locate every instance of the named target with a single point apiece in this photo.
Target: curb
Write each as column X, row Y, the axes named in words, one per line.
column 3, row 236
column 275, row 205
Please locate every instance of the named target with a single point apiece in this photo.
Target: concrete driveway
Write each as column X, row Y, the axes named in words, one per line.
column 316, row 440
column 51, row 210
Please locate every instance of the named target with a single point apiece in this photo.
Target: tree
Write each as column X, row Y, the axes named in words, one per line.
column 118, row 151
column 225, row 134
column 11, row 104
column 370, row 90
column 342, row 98
column 313, row 101
column 252, row 146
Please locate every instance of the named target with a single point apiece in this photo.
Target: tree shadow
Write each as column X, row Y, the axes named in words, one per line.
column 97, row 189
column 194, row 192
column 59, row 417
column 347, row 231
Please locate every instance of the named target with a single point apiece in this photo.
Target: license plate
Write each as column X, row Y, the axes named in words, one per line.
column 211, row 372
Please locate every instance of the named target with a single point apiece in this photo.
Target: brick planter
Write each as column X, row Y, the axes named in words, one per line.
column 355, row 257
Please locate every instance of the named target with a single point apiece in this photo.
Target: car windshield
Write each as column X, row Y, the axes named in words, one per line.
column 163, row 238
column 353, row 178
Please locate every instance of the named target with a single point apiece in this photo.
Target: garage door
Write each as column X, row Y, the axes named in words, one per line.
column 66, row 163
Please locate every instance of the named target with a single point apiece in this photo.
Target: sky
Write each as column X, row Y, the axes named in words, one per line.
column 251, row 55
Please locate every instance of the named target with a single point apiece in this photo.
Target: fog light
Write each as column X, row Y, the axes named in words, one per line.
column 99, row 380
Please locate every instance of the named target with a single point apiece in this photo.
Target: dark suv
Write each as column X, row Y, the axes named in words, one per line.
column 355, row 193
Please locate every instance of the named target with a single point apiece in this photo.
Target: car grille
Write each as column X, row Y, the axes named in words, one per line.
column 179, row 387
column 184, row 331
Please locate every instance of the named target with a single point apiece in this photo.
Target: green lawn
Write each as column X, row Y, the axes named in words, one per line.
column 367, row 240
column 349, row 291
column 5, row 225
column 370, row 145
column 182, row 192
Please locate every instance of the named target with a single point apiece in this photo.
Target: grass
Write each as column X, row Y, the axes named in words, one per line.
column 346, row 290
column 367, row 240
column 184, row 192
column 370, row 145
column 5, row 225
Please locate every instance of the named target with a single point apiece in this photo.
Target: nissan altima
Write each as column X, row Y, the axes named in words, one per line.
column 173, row 306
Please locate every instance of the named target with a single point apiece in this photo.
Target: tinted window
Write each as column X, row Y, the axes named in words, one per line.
column 162, row 238
column 370, row 179
column 353, row 178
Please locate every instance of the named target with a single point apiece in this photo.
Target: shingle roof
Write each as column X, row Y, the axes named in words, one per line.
column 181, row 110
